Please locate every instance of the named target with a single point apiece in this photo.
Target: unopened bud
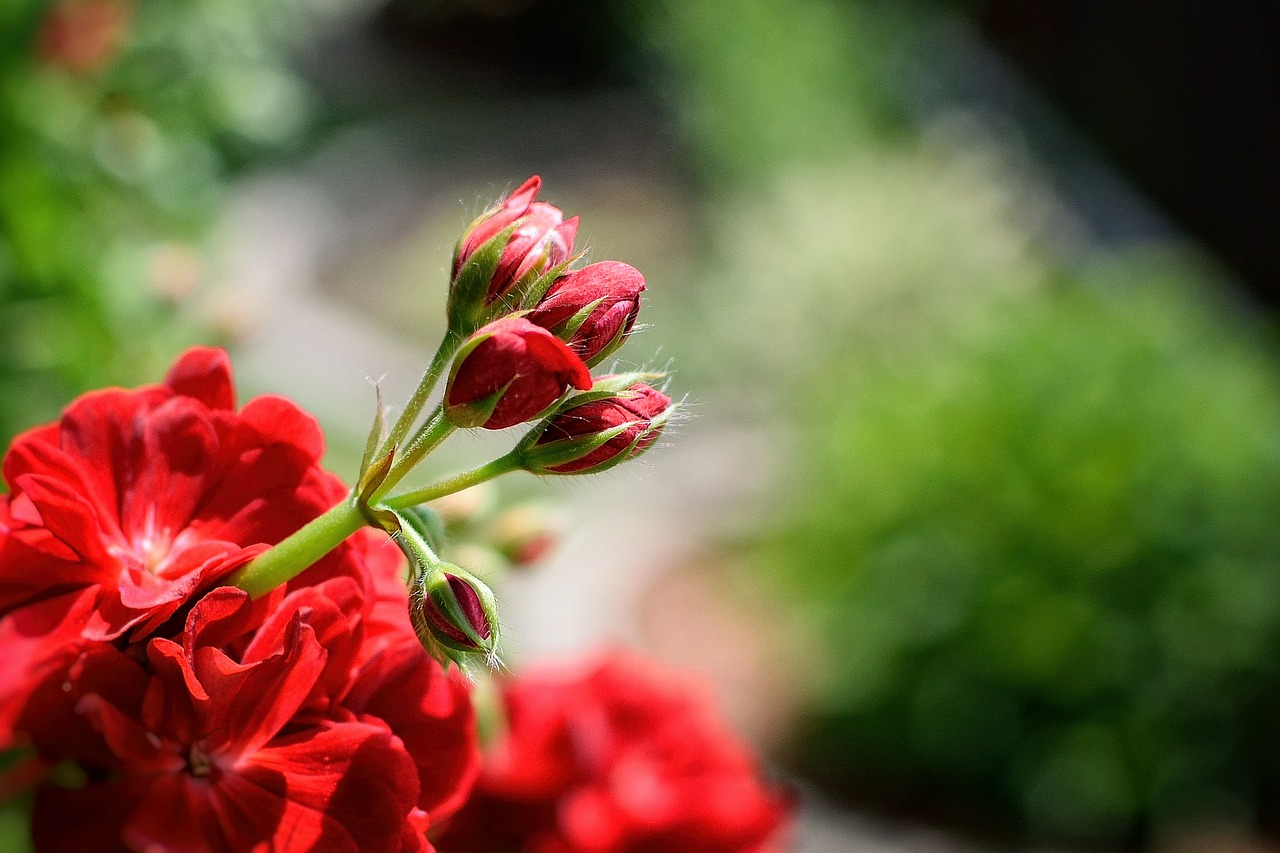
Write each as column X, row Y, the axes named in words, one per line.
column 462, row 507
column 525, row 534
column 454, row 609
column 534, row 237
column 509, row 372
column 592, row 309
column 600, row 433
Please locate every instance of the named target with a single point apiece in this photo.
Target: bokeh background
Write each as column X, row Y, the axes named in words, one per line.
column 973, row 528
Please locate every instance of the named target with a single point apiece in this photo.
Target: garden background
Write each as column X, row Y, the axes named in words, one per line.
column 974, row 529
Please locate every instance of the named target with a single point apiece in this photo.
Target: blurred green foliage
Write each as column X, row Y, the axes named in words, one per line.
column 1041, row 570
column 1025, row 515
column 120, row 123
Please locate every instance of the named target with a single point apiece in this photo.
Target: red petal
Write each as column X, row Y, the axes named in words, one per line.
column 205, row 374
column 87, row 818
column 350, row 786
column 70, row 518
column 137, row 749
column 249, row 704
column 278, row 420
column 431, row 712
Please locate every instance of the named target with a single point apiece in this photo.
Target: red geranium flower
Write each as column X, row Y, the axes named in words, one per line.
column 618, row 757
column 289, row 729
column 154, row 494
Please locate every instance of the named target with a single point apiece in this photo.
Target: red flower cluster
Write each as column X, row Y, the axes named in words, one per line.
column 310, row 718
column 618, row 757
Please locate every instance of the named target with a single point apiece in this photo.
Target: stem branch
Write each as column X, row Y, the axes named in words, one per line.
column 448, row 346
column 286, row 560
column 456, row 483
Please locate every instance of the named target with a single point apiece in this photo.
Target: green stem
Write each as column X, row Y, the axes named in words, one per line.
column 456, row 483
column 435, row 430
column 285, row 561
column 448, row 346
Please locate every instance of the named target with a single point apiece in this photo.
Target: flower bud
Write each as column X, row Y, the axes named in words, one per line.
column 600, row 433
column 454, row 609
column 509, row 372
column 541, row 239
column 525, row 534
column 593, row 309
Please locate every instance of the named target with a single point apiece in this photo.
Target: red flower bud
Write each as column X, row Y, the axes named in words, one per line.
column 510, row 372
column 542, row 239
column 593, row 309
column 638, row 414
column 452, row 610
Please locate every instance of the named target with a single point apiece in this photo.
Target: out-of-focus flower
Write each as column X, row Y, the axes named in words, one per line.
column 619, row 756
column 84, row 35
column 510, row 372
column 149, row 496
column 542, row 238
column 525, row 534
column 627, row 424
column 593, row 309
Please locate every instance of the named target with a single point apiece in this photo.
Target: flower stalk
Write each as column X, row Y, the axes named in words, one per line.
column 523, row 331
column 288, row 559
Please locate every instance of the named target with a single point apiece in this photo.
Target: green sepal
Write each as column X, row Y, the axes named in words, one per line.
column 532, row 293
column 537, row 458
column 467, row 294
column 373, row 475
column 614, row 385
column 377, row 432
column 570, row 327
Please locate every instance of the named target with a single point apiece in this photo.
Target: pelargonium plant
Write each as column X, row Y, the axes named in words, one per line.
column 205, row 645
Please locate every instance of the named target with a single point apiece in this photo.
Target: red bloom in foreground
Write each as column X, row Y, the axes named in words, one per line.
column 541, row 240
column 154, row 494
column 510, row 372
column 289, row 727
column 619, row 757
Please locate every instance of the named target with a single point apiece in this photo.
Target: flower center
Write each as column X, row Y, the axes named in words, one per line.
column 149, row 544
column 198, row 761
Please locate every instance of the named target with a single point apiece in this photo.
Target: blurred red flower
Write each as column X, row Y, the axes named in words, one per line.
column 617, row 757
column 84, row 35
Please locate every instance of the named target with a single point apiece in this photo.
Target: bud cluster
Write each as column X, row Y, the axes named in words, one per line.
column 525, row 329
